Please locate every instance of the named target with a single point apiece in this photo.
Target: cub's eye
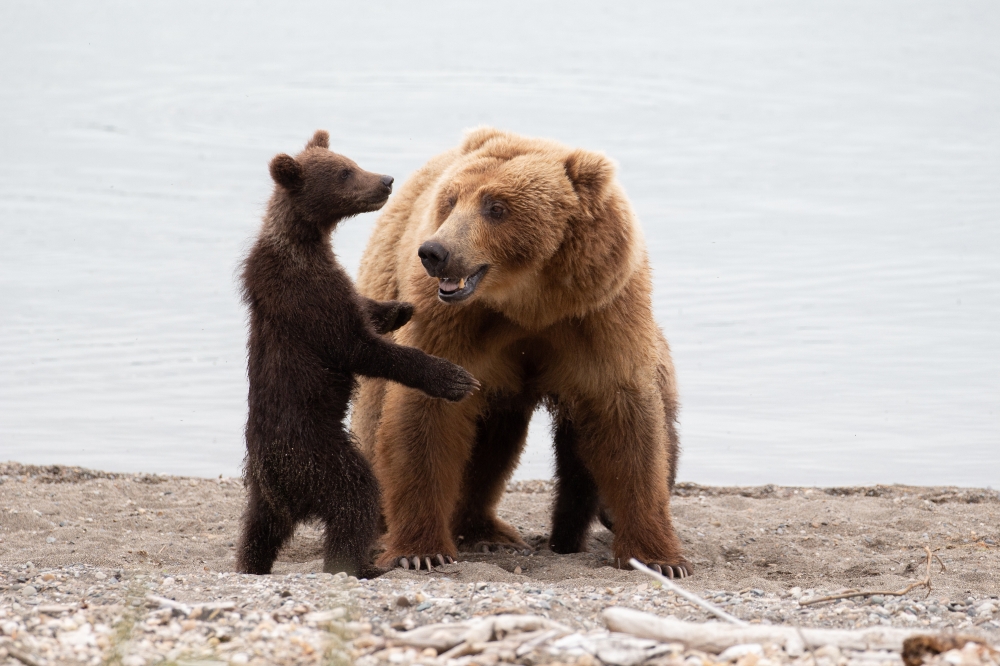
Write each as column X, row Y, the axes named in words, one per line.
column 497, row 210
column 344, row 174
column 452, row 200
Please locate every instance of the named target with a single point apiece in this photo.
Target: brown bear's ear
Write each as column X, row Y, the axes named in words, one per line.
column 286, row 172
column 476, row 137
column 589, row 172
column 321, row 139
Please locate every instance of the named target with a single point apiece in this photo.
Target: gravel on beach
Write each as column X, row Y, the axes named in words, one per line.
column 135, row 569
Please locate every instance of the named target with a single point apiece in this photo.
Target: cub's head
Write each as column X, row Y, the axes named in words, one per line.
column 324, row 187
column 527, row 225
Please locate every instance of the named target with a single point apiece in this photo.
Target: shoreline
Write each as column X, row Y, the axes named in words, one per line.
column 100, row 543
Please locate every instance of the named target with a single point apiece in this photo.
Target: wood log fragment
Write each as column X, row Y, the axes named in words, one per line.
column 715, row 637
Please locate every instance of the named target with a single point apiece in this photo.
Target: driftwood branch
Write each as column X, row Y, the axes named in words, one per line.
column 690, row 596
column 20, row 655
column 715, row 637
column 196, row 612
column 925, row 582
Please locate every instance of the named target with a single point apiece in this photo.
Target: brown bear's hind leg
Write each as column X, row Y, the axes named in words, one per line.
column 264, row 532
column 501, row 432
column 576, row 500
column 622, row 441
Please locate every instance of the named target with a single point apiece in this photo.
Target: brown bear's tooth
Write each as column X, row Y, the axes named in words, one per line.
column 461, row 283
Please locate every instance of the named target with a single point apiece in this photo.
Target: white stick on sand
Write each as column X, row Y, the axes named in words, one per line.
column 690, row 596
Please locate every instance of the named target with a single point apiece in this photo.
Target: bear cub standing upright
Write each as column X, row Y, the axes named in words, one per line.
column 310, row 334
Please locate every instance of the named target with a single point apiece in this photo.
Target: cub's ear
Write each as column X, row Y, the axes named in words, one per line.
column 286, row 172
column 321, row 139
column 477, row 137
column 589, row 172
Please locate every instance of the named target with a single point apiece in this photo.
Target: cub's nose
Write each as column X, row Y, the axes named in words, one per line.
column 387, row 181
column 433, row 256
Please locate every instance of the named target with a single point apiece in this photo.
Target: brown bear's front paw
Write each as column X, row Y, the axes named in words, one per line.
column 681, row 569
column 418, row 562
column 451, row 382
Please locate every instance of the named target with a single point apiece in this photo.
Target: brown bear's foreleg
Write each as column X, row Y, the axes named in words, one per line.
column 264, row 532
column 386, row 316
column 501, row 431
column 422, row 447
column 622, row 441
column 576, row 499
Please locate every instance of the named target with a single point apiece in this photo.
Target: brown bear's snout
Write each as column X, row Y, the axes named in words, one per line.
column 387, row 182
column 434, row 257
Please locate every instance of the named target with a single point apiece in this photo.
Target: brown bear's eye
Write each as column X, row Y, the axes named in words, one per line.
column 345, row 174
column 497, row 210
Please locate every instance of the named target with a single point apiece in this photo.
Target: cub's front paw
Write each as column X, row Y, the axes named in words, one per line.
column 402, row 312
column 451, row 382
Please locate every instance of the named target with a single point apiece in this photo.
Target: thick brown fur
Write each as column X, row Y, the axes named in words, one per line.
column 560, row 314
column 310, row 334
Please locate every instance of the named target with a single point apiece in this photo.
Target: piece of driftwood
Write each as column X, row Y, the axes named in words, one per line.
column 208, row 611
column 715, row 637
column 916, row 648
column 925, row 582
column 690, row 596
column 445, row 637
column 508, row 638
column 20, row 655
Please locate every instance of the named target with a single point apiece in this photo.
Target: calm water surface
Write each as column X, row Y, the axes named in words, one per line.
column 819, row 186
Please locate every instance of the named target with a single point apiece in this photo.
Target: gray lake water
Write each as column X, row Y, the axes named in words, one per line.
column 819, row 185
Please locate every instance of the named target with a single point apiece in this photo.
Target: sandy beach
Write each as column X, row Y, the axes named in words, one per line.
column 90, row 545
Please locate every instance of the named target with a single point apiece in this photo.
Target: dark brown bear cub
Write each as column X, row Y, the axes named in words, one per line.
column 310, row 334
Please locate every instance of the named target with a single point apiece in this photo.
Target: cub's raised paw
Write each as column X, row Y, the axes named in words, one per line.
column 401, row 315
column 681, row 569
column 424, row 562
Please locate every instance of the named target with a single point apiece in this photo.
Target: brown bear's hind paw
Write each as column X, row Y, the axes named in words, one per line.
column 418, row 562
column 681, row 569
column 506, row 548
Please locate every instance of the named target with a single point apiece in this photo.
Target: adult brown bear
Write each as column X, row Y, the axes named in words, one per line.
column 527, row 267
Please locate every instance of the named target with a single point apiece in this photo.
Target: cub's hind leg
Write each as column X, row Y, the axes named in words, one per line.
column 264, row 532
column 350, row 512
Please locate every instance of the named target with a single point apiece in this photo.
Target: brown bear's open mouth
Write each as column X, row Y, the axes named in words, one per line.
column 452, row 290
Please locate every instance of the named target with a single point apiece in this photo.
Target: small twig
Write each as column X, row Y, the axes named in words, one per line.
column 690, row 596
column 926, row 582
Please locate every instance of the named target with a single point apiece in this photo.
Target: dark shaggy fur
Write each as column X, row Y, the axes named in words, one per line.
column 310, row 334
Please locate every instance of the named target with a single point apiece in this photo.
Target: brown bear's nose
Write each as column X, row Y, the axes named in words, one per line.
column 433, row 256
column 387, row 181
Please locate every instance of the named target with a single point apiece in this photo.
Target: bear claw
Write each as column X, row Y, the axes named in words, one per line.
column 416, row 564
column 681, row 570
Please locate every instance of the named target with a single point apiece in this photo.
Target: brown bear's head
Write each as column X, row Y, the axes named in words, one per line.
column 323, row 187
column 538, row 230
